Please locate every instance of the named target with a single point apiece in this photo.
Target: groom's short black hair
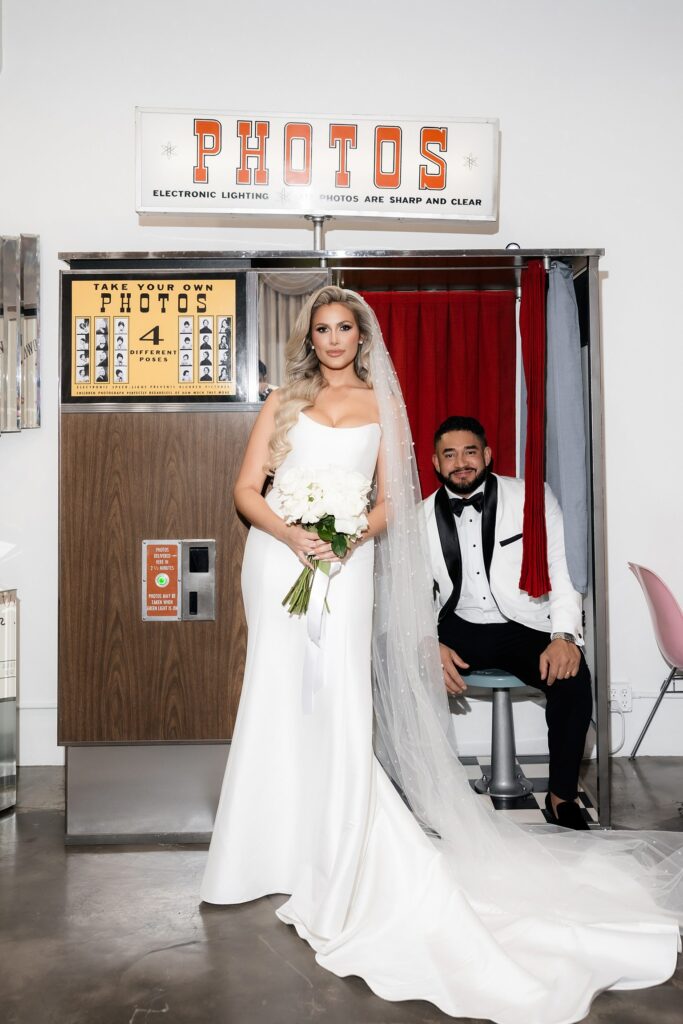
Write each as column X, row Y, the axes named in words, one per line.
column 461, row 423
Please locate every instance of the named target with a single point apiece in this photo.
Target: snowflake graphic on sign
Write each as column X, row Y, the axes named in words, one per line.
column 470, row 161
column 168, row 150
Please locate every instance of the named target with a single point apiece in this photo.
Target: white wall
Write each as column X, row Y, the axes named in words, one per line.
column 588, row 95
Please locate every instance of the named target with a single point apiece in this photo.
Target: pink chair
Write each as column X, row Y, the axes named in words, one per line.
column 667, row 622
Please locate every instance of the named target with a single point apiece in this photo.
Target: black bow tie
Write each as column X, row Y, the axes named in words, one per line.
column 458, row 504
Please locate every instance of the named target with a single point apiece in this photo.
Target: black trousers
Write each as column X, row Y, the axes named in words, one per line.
column 515, row 648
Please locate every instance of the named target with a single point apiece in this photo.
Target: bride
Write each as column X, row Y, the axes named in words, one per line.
column 393, row 869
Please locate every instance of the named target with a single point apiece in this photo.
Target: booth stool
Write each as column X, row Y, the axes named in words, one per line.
column 507, row 778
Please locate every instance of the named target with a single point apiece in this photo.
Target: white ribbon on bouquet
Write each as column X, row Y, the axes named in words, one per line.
column 314, row 663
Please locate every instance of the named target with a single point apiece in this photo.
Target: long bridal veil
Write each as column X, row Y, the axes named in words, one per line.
column 515, row 872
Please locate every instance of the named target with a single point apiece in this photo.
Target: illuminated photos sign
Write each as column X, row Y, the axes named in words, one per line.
column 216, row 162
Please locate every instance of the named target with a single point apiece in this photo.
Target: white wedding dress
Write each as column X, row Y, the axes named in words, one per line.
column 307, row 810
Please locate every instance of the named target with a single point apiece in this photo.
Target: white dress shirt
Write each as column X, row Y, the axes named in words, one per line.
column 476, row 602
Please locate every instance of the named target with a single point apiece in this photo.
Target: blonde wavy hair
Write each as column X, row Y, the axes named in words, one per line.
column 303, row 378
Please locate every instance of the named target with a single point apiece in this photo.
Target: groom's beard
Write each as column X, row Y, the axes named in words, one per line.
column 464, row 489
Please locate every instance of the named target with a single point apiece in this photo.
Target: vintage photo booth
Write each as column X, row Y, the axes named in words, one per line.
column 147, row 702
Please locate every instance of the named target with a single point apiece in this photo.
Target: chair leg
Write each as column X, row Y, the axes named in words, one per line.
column 507, row 780
column 662, row 690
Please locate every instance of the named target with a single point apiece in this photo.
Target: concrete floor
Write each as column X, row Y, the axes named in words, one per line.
column 102, row 935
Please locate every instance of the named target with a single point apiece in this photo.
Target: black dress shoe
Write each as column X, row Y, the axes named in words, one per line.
column 568, row 814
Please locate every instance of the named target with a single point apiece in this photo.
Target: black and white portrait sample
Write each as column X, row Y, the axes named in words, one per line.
column 82, row 333
column 225, row 364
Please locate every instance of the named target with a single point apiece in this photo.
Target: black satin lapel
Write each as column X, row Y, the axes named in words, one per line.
column 488, row 520
column 450, row 545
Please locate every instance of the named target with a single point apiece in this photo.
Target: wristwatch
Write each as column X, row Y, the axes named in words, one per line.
column 569, row 637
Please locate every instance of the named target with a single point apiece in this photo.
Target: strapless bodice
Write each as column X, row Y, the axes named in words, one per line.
column 315, row 444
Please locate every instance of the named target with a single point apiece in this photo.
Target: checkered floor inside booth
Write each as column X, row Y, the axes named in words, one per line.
column 530, row 808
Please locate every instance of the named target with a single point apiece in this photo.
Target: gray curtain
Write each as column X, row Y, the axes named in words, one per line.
column 565, row 424
column 281, row 296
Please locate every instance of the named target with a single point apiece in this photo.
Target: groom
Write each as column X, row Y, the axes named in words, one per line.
column 474, row 527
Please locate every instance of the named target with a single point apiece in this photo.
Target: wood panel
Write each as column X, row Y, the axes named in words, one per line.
column 125, row 477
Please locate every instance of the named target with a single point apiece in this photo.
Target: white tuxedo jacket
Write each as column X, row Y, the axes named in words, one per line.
column 502, row 523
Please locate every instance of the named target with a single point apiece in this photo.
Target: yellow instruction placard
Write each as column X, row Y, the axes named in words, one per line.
column 153, row 337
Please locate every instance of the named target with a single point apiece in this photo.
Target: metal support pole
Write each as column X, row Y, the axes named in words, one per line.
column 507, row 779
column 600, row 604
column 318, row 235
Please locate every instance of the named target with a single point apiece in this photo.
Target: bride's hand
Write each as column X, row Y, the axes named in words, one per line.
column 326, row 554
column 353, row 544
column 307, row 546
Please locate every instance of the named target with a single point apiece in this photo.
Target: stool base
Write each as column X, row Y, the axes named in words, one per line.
column 519, row 785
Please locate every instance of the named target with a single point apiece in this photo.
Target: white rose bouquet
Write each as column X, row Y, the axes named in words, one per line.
column 330, row 502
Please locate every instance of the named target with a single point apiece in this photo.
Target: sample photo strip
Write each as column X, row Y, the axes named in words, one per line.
column 101, row 349
column 224, row 349
column 82, row 369
column 185, row 349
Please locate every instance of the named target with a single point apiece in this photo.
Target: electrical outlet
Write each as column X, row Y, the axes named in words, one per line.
column 622, row 696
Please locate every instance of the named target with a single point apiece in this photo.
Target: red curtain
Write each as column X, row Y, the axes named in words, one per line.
column 454, row 354
column 534, row 578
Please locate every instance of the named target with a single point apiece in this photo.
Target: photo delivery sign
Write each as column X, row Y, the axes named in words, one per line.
column 217, row 162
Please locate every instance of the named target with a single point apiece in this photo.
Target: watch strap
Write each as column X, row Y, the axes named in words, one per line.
column 569, row 637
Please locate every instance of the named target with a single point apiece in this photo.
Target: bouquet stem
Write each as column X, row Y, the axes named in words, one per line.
column 298, row 597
